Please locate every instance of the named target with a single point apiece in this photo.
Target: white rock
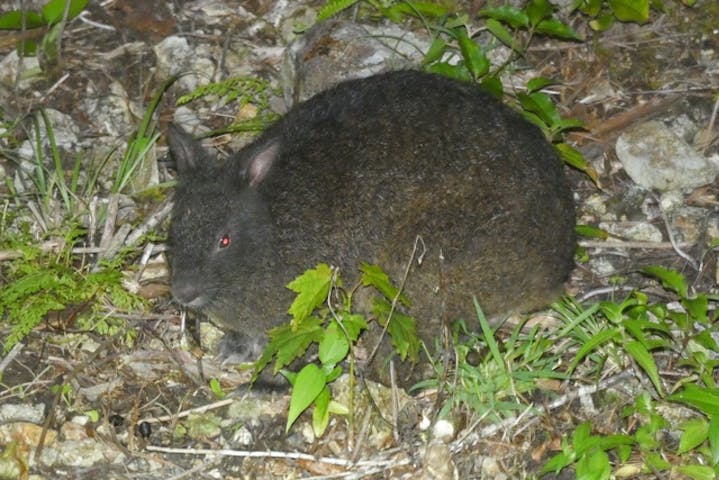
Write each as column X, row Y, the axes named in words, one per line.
column 657, row 158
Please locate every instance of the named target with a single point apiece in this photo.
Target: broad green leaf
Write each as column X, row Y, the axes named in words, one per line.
column 287, row 343
column 671, row 279
column 312, row 288
column 415, row 9
column 13, row 20
column 402, row 329
column 374, row 276
column 537, row 10
column 512, row 16
column 591, row 232
column 571, row 156
column 538, row 83
column 630, row 10
column 705, row 400
column 502, row 34
column 309, row 383
column 333, row 7
column 602, row 23
column 593, row 343
column 435, row 51
column 657, row 462
column 594, row 466
column 581, row 437
column 493, row 86
column 53, row 10
column 698, row 308
column 353, row 325
column 694, row 433
column 713, row 437
column 541, row 105
column 645, row 360
column 555, row 28
column 321, row 413
column 474, row 58
column 557, row 463
column 216, row 388
column 697, row 472
column 338, row 408
column 333, row 347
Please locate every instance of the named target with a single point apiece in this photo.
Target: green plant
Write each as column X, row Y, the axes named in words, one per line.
column 247, row 92
column 50, row 18
column 322, row 315
column 455, row 52
column 495, row 385
column 42, row 282
column 646, row 333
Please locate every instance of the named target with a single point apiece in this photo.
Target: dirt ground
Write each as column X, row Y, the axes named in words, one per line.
column 153, row 397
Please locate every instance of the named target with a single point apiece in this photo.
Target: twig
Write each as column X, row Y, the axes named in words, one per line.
column 630, row 244
column 282, row 455
column 149, row 223
column 10, row 356
column 185, row 413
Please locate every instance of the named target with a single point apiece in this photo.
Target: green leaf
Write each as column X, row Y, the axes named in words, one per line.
column 512, row 16
column 697, row 472
column 703, row 399
column 435, row 51
column 502, row 34
column 13, row 20
column 581, row 437
column 537, row 10
column 590, row 345
column 594, row 466
column 591, row 232
column 493, row 86
column 312, row 288
column 53, row 10
column 321, row 413
column 353, row 325
column 557, row 463
column 287, row 343
column 630, row 10
column 415, row 9
column 216, row 388
column 541, row 105
column 474, row 58
column 573, row 157
column 713, row 437
column 697, row 308
column 402, row 329
column 374, row 276
column 309, row 383
column 488, row 336
column 670, row 279
column 555, row 28
column 538, row 83
column 602, row 23
column 333, row 7
column 645, row 360
column 333, row 347
column 694, row 433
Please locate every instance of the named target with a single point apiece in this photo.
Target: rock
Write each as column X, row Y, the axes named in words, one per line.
column 334, row 50
column 657, row 158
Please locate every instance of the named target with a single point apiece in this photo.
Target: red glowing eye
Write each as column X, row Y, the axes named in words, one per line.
column 224, row 241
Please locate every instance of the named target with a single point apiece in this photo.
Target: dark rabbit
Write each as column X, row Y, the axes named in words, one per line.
column 356, row 174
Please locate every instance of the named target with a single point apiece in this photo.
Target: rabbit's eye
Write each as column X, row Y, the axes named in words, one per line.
column 224, row 241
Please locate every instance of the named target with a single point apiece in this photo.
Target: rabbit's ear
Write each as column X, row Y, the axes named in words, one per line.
column 188, row 153
column 256, row 167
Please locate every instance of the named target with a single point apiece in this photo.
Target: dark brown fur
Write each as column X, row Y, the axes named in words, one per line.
column 355, row 174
